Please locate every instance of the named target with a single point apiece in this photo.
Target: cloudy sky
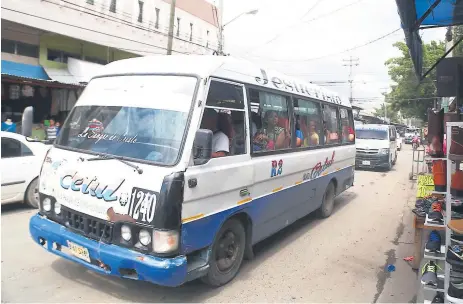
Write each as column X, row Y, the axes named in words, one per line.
column 309, row 39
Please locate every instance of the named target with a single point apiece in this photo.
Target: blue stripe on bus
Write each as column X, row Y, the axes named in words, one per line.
column 269, row 213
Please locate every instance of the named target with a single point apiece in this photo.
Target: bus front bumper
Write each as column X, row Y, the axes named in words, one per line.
column 106, row 258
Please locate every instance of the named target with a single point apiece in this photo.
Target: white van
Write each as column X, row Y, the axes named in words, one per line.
column 376, row 146
column 170, row 168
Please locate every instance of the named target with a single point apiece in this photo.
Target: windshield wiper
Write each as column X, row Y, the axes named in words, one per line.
column 104, row 156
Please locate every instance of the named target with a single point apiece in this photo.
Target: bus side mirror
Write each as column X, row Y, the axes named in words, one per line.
column 26, row 126
column 202, row 146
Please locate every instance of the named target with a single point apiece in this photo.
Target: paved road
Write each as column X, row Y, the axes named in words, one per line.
column 339, row 259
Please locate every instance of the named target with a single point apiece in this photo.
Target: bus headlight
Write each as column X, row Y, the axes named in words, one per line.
column 46, row 204
column 144, row 236
column 57, row 208
column 165, row 241
column 126, row 233
column 384, row 151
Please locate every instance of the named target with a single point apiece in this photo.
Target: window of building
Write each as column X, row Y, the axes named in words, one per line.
column 178, row 26
column 60, row 56
column 26, row 49
column 156, row 25
column 20, row 48
column 331, row 125
column 207, row 38
column 8, row 46
column 112, row 6
column 140, row 11
column 308, row 125
column 225, row 116
column 191, row 31
column 270, row 123
column 91, row 2
column 347, row 126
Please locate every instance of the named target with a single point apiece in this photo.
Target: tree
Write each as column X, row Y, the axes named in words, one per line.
column 407, row 95
column 392, row 114
column 458, row 32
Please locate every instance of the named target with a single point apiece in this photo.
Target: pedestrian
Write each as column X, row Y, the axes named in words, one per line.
column 58, row 127
column 52, row 130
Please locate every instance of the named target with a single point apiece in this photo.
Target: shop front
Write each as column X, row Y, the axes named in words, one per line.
column 26, row 85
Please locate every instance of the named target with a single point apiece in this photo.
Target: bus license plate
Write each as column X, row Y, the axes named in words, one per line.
column 366, row 162
column 79, row 251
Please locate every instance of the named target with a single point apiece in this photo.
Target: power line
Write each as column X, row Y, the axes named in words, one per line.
column 284, row 31
column 90, row 30
column 352, row 62
column 334, row 11
column 333, row 54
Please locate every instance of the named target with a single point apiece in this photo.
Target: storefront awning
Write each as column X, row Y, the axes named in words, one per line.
column 422, row 14
column 77, row 72
column 29, row 71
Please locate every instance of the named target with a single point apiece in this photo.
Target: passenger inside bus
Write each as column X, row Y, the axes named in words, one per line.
column 272, row 136
column 220, row 141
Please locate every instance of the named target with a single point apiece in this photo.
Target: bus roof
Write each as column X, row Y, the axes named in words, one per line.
column 225, row 67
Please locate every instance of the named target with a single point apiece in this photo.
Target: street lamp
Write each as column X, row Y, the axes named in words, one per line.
column 221, row 27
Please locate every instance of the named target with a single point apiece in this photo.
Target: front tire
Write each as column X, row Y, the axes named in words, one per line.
column 327, row 206
column 227, row 254
column 32, row 194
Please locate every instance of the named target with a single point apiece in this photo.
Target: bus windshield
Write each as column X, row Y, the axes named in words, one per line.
column 371, row 134
column 135, row 117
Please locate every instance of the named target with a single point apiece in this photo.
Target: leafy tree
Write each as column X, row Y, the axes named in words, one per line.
column 458, row 50
column 407, row 95
column 392, row 114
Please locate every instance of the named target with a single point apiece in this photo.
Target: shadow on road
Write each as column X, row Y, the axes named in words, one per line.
column 15, row 208
column 138, row 291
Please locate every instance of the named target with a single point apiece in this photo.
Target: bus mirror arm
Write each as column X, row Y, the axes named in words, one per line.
column 202, row 146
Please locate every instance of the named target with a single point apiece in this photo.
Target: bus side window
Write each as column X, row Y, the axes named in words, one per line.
column 347, row 126
column 308, row 124
column 331, row 125
column 224, row 115
column 272, row 114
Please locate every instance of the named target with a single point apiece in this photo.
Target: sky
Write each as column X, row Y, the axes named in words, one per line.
column 308, row 39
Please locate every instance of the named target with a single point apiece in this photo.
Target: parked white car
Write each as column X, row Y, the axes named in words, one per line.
column 21, row 163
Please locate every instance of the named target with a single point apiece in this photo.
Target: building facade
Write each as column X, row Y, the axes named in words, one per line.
column 51, row 48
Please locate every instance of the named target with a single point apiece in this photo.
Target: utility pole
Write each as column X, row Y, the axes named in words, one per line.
column 170, row 36
column 221, row 25
column 351, row 63
column 385, row 103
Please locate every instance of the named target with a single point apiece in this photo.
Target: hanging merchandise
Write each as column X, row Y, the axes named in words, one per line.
column 72, row 99
column 43, row 92
column 457, row 183
column 439, row 175
column 14, row 91
column 27, row 91
column 435, row 132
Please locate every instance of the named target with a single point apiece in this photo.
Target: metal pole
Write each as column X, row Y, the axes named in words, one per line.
column 170, row 36
column 448, row 44
column 220, row 21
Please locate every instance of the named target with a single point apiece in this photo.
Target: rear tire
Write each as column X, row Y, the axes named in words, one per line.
column 32, row 194
column 327, row 206
column 227, row 254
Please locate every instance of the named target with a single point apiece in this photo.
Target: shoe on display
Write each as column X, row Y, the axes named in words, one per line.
column 429, row 274
column 420, row 212
column 435, row 213
column 456, row 226
column 457, row 238
column 438, row 298
column 455, row 292
column 455, row 255
column 434, row 242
